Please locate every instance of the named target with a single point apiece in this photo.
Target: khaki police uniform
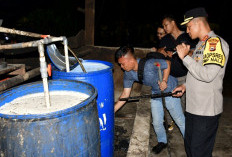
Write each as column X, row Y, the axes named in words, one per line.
column 205, row 77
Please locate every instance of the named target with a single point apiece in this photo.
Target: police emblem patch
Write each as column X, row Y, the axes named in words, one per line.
column 213, row 43
column 213, row 53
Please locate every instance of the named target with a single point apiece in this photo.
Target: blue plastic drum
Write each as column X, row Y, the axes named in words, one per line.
column 99, row 74
column 64, row 133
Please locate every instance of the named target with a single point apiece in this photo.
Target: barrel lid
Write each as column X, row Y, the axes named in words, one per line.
column 58, row 59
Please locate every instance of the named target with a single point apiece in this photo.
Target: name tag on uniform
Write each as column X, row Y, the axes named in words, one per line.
column 199, row 52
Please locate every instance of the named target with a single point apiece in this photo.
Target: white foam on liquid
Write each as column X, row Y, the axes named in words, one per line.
column 35, row 103
column 90, row 67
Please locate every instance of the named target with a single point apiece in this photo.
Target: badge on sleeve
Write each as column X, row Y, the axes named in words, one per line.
column 213, row 53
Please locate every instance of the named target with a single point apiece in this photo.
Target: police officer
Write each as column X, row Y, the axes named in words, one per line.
column 203, row 84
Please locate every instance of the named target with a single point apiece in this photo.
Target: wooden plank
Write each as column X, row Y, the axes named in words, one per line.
column 10, row 68
column 89, row 21
column 5, row 84
column 20, row 71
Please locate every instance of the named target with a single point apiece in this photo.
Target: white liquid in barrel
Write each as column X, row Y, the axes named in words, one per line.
column 90, row 67
column 35, row 103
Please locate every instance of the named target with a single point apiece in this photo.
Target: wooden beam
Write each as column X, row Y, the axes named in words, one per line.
column 13, row 67
column 89, row 21
column 8, row 83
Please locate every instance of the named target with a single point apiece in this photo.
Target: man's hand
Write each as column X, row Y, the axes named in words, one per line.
column 153, row 49
column 181, row 88
column 182, row 50
column 169, row 54
column 161, row 50
column 163, row 85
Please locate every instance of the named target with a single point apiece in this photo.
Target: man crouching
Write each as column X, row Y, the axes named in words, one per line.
column 126, row 58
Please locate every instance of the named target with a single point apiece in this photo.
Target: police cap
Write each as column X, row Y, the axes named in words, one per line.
column 193, row 13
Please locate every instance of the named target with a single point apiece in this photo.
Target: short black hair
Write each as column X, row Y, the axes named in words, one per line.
column 122, row 51
column 169, row 17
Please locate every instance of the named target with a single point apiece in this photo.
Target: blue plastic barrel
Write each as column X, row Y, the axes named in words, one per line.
column 65, row 133
column 101, row 77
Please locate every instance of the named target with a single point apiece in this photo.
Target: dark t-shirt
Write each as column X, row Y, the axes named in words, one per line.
column 177, row 67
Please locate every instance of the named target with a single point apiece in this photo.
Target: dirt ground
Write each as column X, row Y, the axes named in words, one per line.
column 223, row 143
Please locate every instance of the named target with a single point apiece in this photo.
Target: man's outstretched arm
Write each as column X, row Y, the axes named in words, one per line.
column 126, row 93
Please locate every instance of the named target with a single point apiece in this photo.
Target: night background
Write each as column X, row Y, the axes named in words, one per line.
column 117, row 22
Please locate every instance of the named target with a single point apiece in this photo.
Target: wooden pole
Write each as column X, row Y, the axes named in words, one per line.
column 13, row 31
column 89, row 22
column 19, row 79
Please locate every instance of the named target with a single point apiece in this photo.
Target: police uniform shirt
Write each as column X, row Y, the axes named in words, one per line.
column 150, row 77
column 204, row 81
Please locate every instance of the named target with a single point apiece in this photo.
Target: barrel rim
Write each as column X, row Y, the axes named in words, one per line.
column 88, row 73
column 56, row 114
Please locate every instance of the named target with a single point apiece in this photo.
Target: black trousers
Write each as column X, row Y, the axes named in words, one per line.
column 200, row 133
